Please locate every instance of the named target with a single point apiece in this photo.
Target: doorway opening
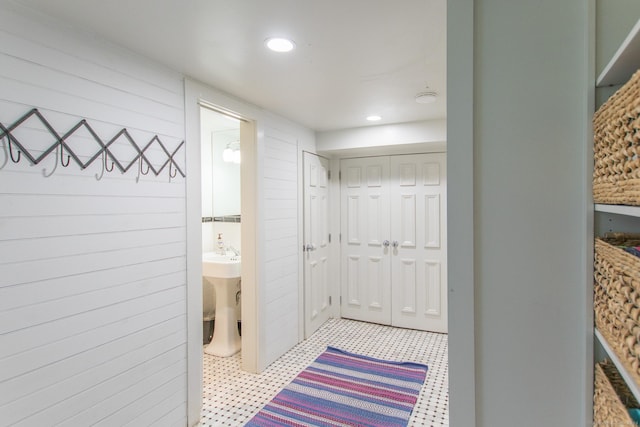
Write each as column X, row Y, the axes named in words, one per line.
column 221, row 232
column 198, row 98
column 237, row 140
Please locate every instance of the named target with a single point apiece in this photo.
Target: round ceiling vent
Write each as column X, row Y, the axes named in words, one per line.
column 426, row 97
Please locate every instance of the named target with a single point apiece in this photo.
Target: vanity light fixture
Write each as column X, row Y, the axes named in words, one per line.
column 232, row 154
column 278, row 44
column 374, row 118
column 227, row 154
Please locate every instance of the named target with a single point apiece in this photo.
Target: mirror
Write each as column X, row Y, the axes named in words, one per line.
column 220, row 167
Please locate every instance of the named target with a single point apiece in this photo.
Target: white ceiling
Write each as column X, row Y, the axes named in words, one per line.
column 353, row 58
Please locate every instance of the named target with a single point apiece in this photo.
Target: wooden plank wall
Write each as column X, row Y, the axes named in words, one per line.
column 92, row 263
column 281, row 252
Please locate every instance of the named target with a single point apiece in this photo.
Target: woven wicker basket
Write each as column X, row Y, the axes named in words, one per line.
column 617, row 297
column 616, row 128
column 611, row 398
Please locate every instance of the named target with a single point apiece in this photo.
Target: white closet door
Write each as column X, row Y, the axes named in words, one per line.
column 316, row 242
column 365, row 275
column 418, row 233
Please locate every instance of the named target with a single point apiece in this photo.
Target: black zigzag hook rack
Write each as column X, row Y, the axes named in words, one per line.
column 17, row 149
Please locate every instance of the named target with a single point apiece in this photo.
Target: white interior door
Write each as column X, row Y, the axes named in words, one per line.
column 365, row 266
column 393, row 240
column 316, row 242
column 418, row 227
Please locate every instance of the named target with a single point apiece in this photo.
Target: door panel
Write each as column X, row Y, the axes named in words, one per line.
column 405, row 288
column 316, row 241
column 406, row 234
column 353, row 281
column 432, row 221
column 354, row 225
column 376, row 283
column 365, row 274
column 433, row 301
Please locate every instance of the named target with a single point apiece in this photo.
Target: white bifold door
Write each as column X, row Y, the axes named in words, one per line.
column 316, row 242
column 393, row 240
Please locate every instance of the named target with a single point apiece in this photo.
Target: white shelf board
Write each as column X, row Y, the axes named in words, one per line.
column 628, row 379
column 625, row 61
column 618, row 209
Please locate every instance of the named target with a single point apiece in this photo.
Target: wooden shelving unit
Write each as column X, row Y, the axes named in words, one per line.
column 624, row 63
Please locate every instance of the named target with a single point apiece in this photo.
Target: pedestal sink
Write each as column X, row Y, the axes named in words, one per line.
column 223, row 271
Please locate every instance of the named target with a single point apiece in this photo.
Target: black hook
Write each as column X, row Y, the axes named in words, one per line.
column 143, row 173
column 172, row 164
column 62, row 157
column 11, row 152
column 105, row 163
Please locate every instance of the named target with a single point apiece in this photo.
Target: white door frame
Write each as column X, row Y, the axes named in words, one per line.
column 460, row 213
column 194, row 94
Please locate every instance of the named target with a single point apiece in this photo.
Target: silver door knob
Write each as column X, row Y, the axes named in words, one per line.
column 394, row 244
column 385, row 243
column 309, row 247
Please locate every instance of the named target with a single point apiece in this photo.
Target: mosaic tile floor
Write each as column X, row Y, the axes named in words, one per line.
column 232, row 397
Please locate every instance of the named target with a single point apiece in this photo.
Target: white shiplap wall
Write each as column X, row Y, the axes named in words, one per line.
column 281, row 285
column 92, row 271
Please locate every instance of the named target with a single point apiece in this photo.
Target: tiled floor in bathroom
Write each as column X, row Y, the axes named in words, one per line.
column 232, row 397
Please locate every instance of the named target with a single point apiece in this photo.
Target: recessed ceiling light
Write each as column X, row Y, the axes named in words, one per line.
column 279, row 44
column 426, row 97
column 374, row 118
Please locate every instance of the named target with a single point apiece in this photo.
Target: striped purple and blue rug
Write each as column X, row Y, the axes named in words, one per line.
column 346, row 389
